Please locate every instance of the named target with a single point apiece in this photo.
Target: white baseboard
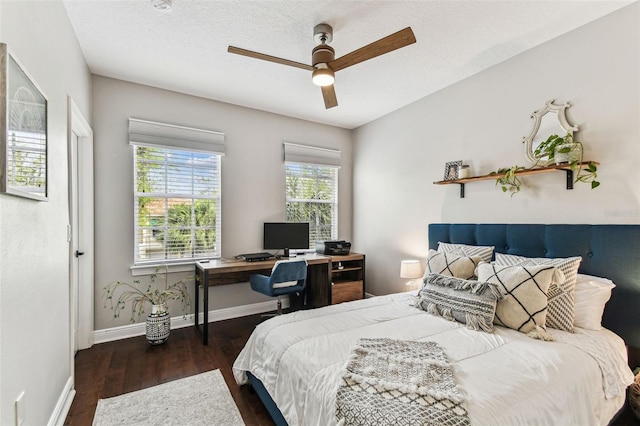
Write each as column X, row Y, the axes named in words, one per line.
column 139, row 329
column 63, row 406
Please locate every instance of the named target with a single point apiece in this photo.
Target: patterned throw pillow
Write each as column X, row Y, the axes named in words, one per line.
column 562, row 291
column 525, row 289
column 485, row 252
column 469, row 302
column 451, row 265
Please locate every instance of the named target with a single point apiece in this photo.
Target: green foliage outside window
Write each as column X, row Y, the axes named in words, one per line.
column 311, row 194
column 178, row 219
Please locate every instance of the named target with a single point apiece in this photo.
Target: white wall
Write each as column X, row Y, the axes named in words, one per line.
column 253, row 177
column 482, row 121
column 34, row 263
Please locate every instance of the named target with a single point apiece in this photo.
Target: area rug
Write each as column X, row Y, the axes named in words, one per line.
column 203, row 399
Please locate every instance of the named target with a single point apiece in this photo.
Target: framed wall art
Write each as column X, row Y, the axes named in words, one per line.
column 451, row 170
column 23, row 131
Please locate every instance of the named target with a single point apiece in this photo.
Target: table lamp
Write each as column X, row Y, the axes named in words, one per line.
column 410, row 269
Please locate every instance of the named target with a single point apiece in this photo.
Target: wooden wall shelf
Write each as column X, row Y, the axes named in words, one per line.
column 535, row 171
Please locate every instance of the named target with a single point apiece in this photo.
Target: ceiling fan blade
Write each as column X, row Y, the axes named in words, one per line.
column 251, row 54
column 385, row 45
column 329, row 95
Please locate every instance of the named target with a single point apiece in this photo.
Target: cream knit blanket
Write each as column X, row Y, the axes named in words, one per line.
column 396, row 382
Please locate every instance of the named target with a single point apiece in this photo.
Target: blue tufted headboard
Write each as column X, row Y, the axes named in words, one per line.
column 610, row 251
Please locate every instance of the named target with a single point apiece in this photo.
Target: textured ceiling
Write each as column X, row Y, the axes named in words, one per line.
column 185, row 49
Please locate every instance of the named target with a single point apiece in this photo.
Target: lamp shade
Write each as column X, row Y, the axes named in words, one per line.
column 410, row 269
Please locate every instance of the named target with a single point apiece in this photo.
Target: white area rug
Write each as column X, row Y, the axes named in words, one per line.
column 203, row 399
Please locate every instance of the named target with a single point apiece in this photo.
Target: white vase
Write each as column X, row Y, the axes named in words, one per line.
column 158, row 325
column 567, row 153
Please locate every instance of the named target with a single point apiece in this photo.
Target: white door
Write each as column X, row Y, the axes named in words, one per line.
column 75, row 247
column 80, row 231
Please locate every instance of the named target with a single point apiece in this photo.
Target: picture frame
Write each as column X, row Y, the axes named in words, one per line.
column 24, row 132
column 451, row 169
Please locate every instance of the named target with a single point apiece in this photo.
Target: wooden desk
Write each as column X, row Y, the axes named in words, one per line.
column 222, row 272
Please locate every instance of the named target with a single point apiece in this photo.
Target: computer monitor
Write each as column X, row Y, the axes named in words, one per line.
column 285, row 236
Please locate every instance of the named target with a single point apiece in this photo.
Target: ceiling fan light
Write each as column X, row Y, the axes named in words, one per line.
column 323, row 77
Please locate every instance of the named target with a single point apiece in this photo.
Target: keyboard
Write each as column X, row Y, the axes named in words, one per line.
column 255, row 257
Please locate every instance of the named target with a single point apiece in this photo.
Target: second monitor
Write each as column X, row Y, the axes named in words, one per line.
column 286, row 236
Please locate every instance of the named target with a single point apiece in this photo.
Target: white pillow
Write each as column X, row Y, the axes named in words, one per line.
column 485, row 252
column 591, row 295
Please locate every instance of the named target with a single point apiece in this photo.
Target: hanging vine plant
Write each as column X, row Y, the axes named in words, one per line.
column 508, row 179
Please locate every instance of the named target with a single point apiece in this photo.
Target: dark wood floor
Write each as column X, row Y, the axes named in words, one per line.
column 114, row 368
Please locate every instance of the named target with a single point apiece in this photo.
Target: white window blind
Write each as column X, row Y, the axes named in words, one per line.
column 312, row 189
column 177, row 192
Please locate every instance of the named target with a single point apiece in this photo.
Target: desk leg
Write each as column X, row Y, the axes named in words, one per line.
column 205, row 308
column 204, row 277
column 196, row 304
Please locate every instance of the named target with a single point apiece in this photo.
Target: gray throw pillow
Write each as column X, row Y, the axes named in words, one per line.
column 469, row 302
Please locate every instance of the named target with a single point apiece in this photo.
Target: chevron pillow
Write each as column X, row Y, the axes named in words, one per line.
column 525, row 289
column 451, row 265
column 562, row 290
column 485, row 252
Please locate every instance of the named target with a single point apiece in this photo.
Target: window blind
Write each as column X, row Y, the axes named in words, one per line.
column 153, row 134
column 306, row 154
column 177, row 194
column 312, row 189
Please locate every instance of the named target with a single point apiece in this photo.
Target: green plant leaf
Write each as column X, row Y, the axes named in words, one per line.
column 594, row 184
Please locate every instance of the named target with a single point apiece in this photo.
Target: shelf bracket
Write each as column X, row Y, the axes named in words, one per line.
column 569, row 178
column 461, row 190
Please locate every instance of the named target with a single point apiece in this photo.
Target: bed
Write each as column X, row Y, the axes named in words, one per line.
column 297, row 362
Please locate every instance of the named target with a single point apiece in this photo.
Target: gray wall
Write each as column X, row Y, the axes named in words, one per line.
column 253, row 177
column 482, row 121
column 34, row 253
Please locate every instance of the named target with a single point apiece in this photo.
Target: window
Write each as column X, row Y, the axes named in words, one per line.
column 312, row 189
column 176, row 193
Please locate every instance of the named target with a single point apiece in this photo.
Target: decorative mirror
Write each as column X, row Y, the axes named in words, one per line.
column 550, row 120
column 23, row 131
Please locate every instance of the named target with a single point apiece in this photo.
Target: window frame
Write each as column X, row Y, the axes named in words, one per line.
column 186, row 144
column 321, row 160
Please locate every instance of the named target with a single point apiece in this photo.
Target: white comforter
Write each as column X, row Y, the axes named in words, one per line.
column 507, row 378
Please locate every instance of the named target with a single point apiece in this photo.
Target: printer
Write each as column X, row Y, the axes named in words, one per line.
column 337, row 247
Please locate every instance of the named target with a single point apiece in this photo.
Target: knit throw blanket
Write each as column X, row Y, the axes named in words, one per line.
column 396, row 382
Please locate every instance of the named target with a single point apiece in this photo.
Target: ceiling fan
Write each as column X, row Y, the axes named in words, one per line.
column 324, row 65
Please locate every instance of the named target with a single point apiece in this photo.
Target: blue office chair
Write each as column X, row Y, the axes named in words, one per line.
column 287, row 277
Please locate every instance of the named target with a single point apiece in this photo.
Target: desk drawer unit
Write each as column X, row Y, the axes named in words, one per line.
column 346, row 291
column 347, row 278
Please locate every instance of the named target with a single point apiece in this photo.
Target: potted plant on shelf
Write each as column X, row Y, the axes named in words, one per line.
column 558, row 150
column 158, row 324
column 565, row 149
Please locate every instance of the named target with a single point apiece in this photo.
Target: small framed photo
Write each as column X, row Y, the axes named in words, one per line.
column 451, row 170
